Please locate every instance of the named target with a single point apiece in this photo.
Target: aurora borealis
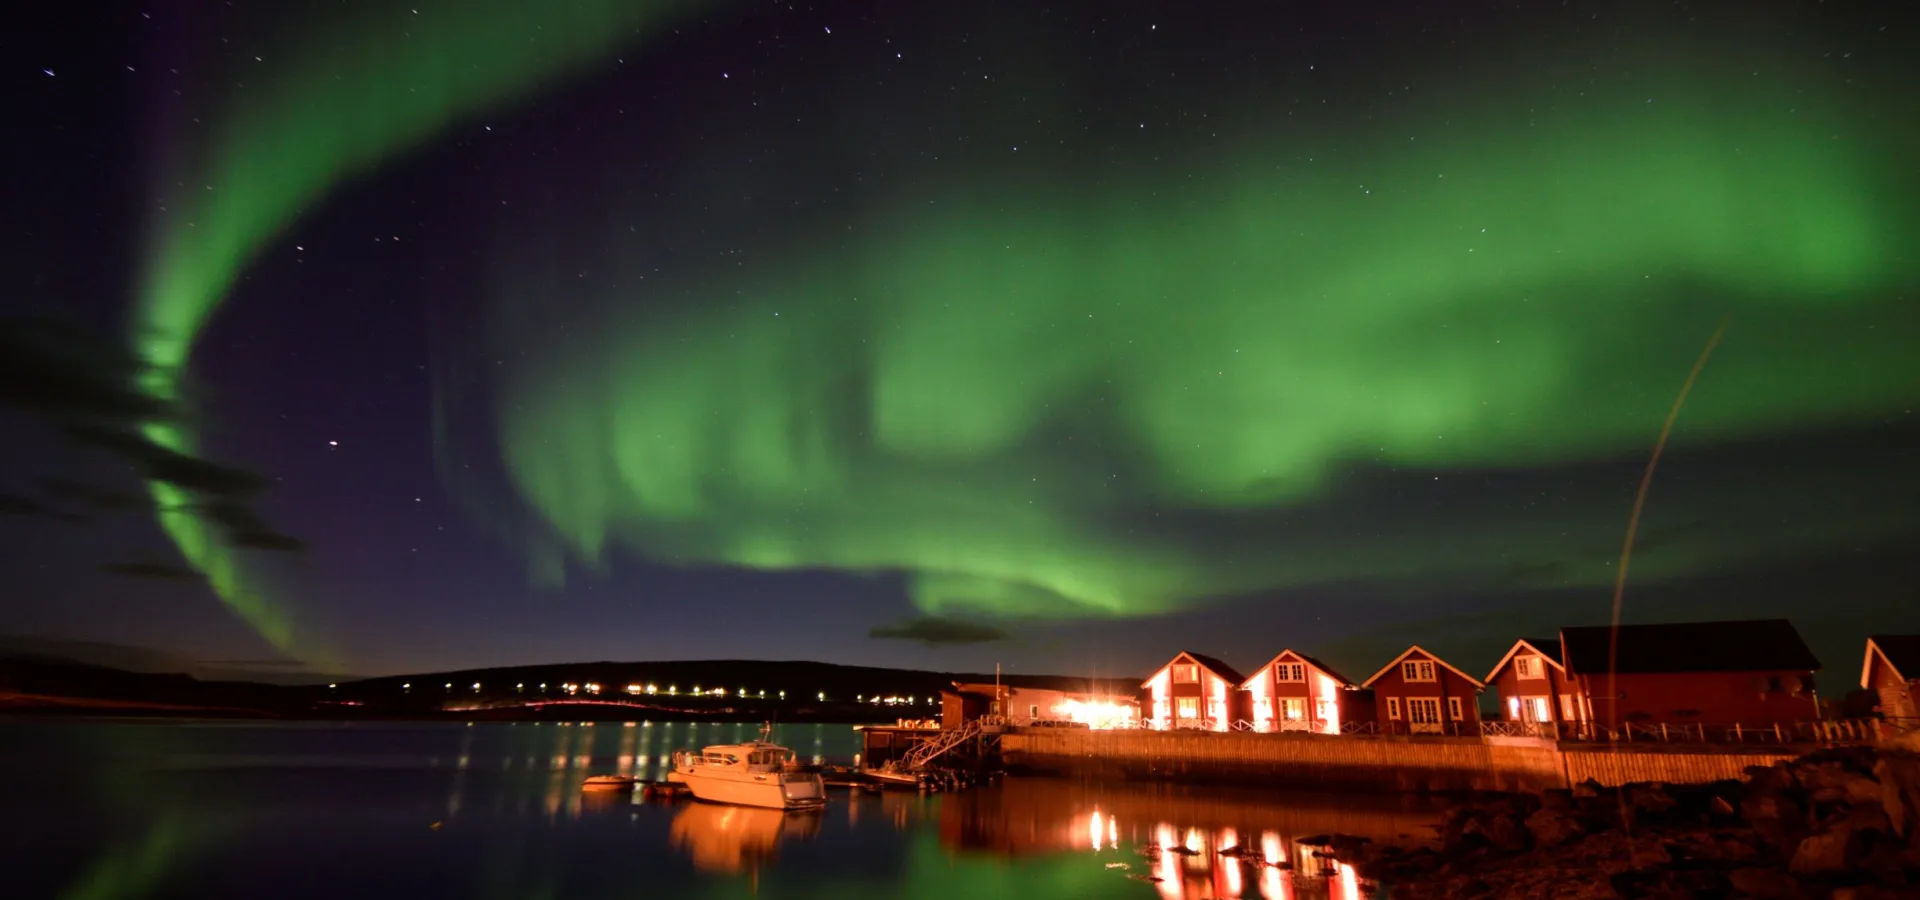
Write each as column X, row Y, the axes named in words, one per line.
column 1087, row 321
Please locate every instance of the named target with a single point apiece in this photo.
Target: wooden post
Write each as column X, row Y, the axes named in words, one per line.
column 1776, row 734
column 1738, row 738
column 1663, row 731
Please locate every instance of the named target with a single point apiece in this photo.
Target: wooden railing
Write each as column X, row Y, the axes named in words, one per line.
column 1828, row 731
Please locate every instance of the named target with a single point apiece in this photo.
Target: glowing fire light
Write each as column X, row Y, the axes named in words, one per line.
column 1328, row 691
column 1093, row 829
column 1098, row 715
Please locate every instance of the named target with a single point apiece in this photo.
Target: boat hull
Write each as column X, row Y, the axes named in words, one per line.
column 772, row 792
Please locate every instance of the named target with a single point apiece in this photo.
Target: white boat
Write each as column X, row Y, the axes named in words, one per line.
column 756, row 773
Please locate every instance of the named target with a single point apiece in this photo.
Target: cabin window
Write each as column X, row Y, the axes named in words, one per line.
column 1033, row 713
column 1566, row 708
column 1186, row 673
column 1186, row 707
column 1453, row 709
column 1417, row 670
column 1528, row 667
column 1290, row 672
column 1293, row 709
column 1393, row 708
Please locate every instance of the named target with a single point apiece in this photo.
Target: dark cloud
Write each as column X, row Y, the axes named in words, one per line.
column 55, row 369
column 105, row 499
column 160, row 571
column 935, row 631
column 16, row 505
column 165, row 464
column 87, row 389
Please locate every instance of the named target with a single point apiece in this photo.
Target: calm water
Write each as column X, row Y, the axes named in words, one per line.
column 100, row 810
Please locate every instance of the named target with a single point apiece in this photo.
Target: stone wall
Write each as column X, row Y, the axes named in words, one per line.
column 1380, row 764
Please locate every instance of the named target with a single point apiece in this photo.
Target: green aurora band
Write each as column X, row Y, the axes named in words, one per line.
column 1006, row 391
column 330, row 100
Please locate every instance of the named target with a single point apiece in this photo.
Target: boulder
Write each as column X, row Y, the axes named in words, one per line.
column 1553, row 827
column 1650, row 799
column 1775, row 817
column 1767, row 884
column 1831, row 851
column 1876, row 892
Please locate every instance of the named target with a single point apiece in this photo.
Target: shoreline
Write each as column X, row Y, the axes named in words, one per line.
column 50, row 708
column 1837, row 824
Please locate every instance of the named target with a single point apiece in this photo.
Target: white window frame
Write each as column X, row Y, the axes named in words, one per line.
column 1454, row 710
column 1290, row 673
column 1189, row 669
column 1419, row 670
column 1529, row 667
column 1393, row 708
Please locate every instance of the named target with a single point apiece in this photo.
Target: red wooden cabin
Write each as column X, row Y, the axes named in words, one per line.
column 1419, row 693
column 1295, row 692
column 1194, row 691
column 1753, row 672
column 1534, row 687
column 1892, row 673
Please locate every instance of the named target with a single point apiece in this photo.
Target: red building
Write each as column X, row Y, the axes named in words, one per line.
column 1533, row 686
column 1419, row 693
column 1754, row 673
column 1194, row 691
column 1295, row 692
column 1098, row 703
column 1892, row 673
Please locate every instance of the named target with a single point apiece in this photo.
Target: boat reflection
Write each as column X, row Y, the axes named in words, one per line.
column 737, row 839
column 1191, row 844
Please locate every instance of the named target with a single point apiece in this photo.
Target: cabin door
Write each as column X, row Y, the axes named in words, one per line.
column 1423, row 714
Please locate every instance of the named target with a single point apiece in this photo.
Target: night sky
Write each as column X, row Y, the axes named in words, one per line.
column 937, row 335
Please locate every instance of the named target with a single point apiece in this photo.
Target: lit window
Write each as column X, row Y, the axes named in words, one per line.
column 1453, row 709
column 1417, row 670
column 1290, row 672
column 1186, row 674
column 1393, row 708
column 1528, row 667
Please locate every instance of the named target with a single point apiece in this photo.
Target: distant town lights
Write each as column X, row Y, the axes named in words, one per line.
column 822, row 696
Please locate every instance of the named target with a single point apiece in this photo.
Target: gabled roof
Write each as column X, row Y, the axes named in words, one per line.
column 1477, row 683
column 1310, row 661
column 1754, row 645
column 1213, row 664
column 1548, row 648
column 1901, row 651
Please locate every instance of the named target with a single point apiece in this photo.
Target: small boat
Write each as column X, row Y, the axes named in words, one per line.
column 608, row 783
column 756, row 773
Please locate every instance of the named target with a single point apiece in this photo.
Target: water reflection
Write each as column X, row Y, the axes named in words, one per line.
column 736, row 839
column 1190, row 844
column 181, row 810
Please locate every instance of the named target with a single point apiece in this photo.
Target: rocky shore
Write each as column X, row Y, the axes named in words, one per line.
column 1839, row 824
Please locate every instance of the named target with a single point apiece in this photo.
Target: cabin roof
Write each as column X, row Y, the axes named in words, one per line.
column 1477, row 683
column 1751, row 645
column 1548, row 648
column 1213, row 664
column 1901, row 651
column 1315, row 662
